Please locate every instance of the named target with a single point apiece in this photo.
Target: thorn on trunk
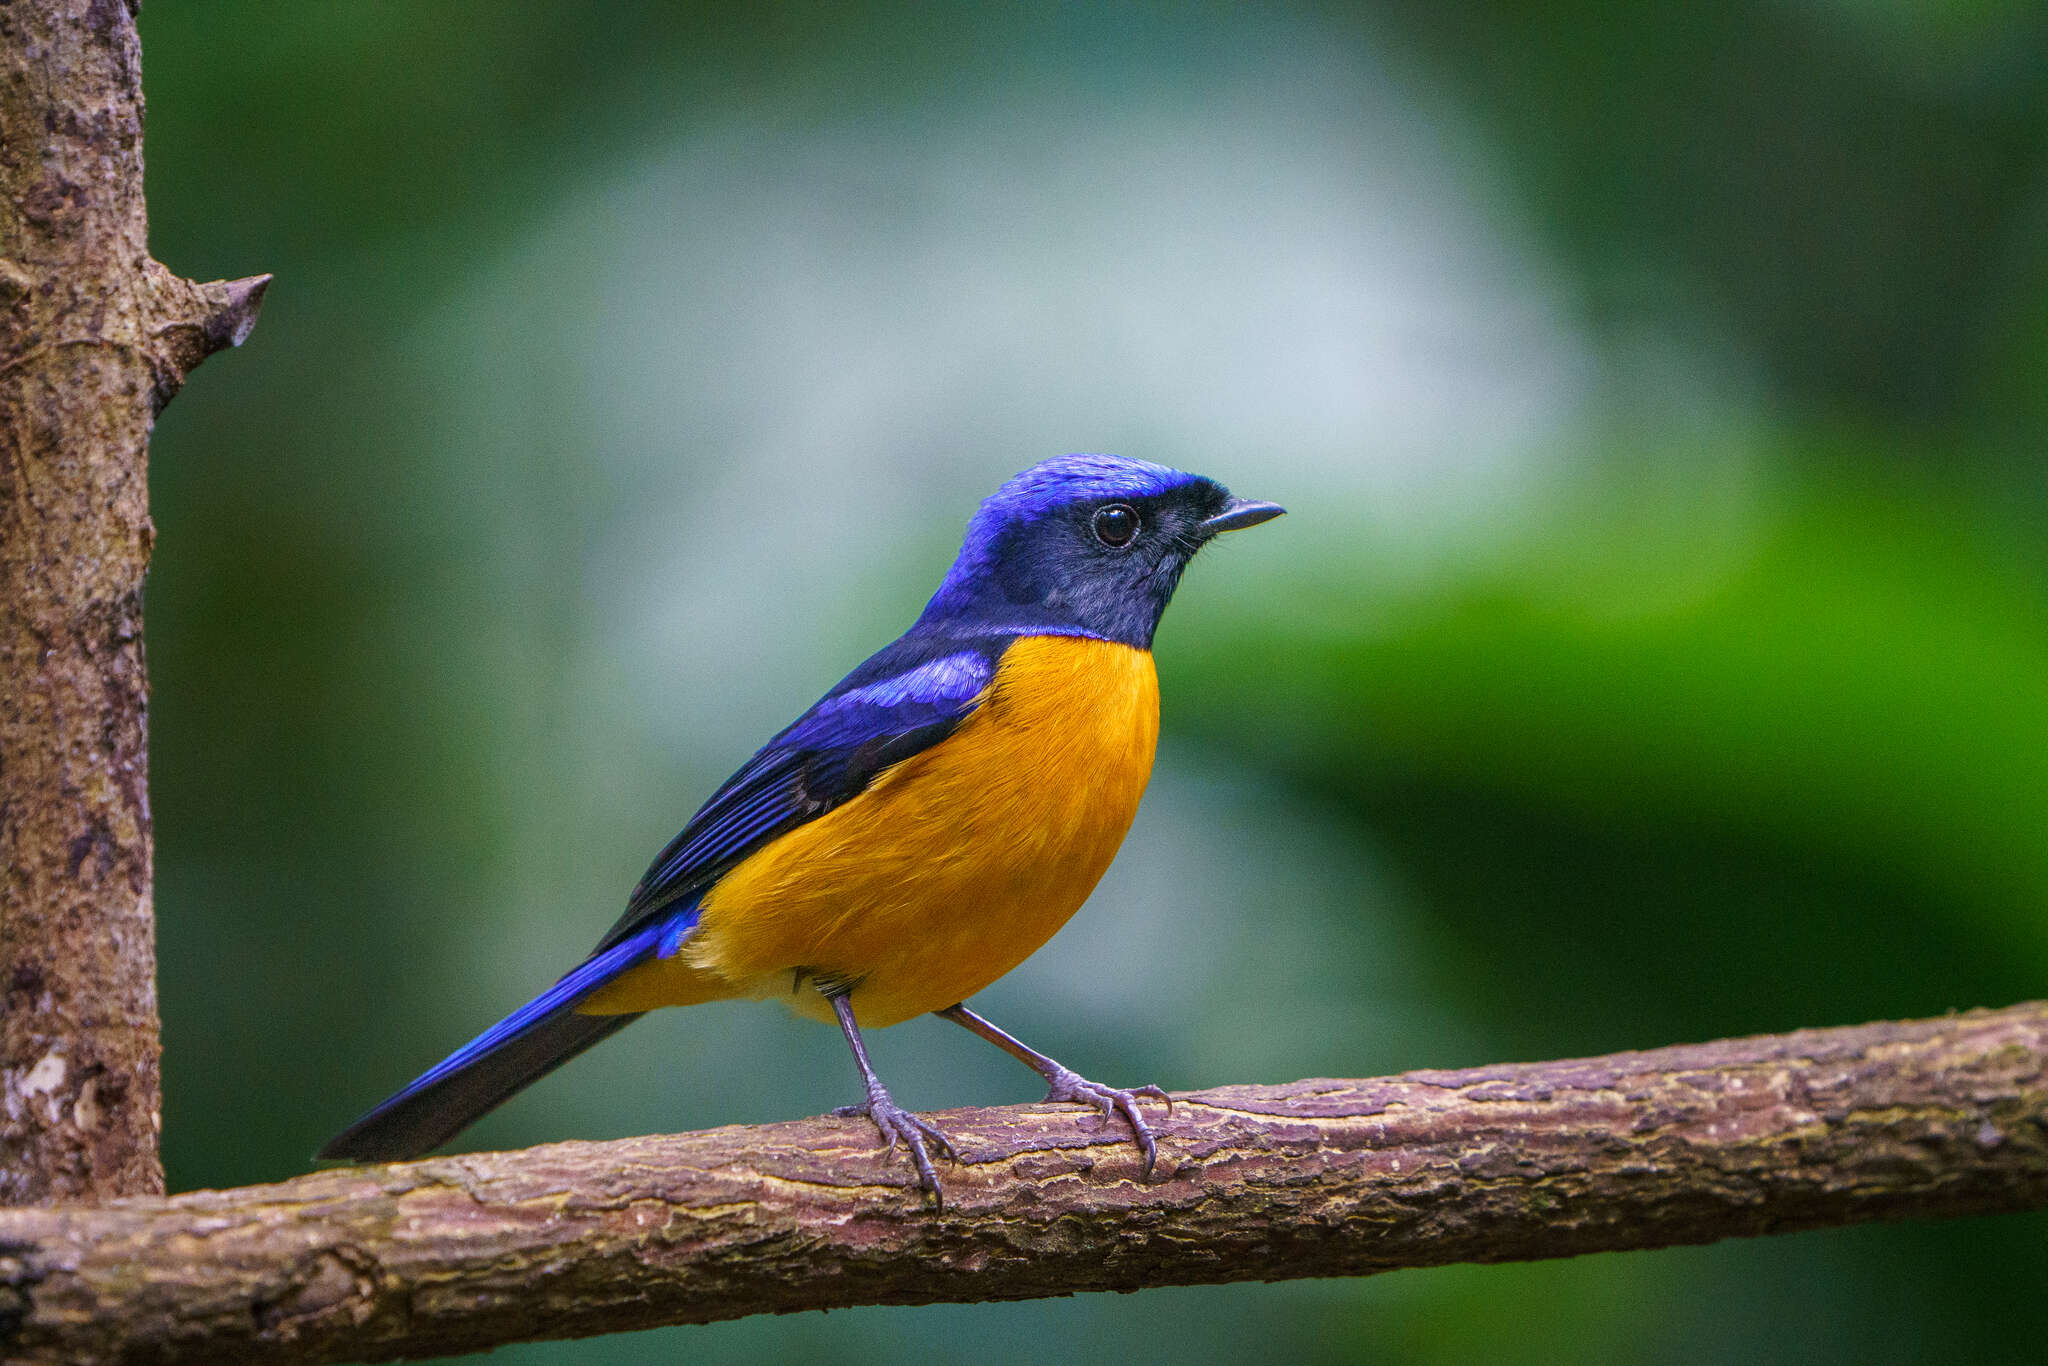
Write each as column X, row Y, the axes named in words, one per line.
column 205, row 318
column 236, row 304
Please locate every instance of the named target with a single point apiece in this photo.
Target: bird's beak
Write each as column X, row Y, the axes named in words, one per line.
column 1238, row 514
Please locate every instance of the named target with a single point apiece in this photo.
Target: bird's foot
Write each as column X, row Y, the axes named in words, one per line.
column 1068, row 1085
column 899, row 1125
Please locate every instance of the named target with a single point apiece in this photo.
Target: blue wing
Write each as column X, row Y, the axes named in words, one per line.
column 905, row 698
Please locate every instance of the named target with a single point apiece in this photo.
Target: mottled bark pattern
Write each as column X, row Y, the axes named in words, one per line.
column 1320, row 1178
column 94, row 338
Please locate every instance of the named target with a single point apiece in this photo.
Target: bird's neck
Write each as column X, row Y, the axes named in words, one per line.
column 989, row 612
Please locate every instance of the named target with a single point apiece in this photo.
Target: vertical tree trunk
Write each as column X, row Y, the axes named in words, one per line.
column 95, row 337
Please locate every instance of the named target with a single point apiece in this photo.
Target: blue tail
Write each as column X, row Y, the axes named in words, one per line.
column 509, row 1056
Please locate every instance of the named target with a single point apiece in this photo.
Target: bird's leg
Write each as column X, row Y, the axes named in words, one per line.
column 1068, row 1085
column 895, row 1122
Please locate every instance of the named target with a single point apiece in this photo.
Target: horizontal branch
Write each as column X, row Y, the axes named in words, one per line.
column 1319, row 1178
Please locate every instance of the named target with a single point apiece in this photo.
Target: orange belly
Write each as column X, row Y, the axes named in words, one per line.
column 952, row 867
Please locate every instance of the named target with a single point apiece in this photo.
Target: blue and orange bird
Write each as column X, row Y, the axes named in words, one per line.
column 917, row 833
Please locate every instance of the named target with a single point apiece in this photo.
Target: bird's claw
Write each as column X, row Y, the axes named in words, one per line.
column 899, row 1125
column 1072, row 1087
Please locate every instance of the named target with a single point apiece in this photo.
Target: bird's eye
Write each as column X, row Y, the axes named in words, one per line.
column 1116, row 524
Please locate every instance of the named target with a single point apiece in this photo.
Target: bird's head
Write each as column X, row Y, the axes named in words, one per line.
column 1092, row 544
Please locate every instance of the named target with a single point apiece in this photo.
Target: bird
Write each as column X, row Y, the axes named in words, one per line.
column 915, row 834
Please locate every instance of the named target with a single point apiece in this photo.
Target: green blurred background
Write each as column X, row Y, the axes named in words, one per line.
column 1657, row 648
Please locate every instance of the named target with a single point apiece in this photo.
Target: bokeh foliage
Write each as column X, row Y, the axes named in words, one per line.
column 1657, row 648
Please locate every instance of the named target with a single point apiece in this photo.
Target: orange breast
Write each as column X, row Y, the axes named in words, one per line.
column 953, row 866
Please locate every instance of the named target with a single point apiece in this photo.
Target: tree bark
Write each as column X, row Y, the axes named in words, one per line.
column 95, row 337
column 1319, row 1178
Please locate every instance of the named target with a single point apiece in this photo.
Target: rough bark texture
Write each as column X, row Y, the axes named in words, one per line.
column 1319, row 1178
column 95, row 337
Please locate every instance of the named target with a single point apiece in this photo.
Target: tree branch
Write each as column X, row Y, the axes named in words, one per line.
column 95, row 337
column 1932, row 1118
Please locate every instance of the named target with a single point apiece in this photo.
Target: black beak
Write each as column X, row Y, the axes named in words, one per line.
column 1238, row 514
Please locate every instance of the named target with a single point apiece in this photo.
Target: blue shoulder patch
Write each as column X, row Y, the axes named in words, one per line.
column 929, row 692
